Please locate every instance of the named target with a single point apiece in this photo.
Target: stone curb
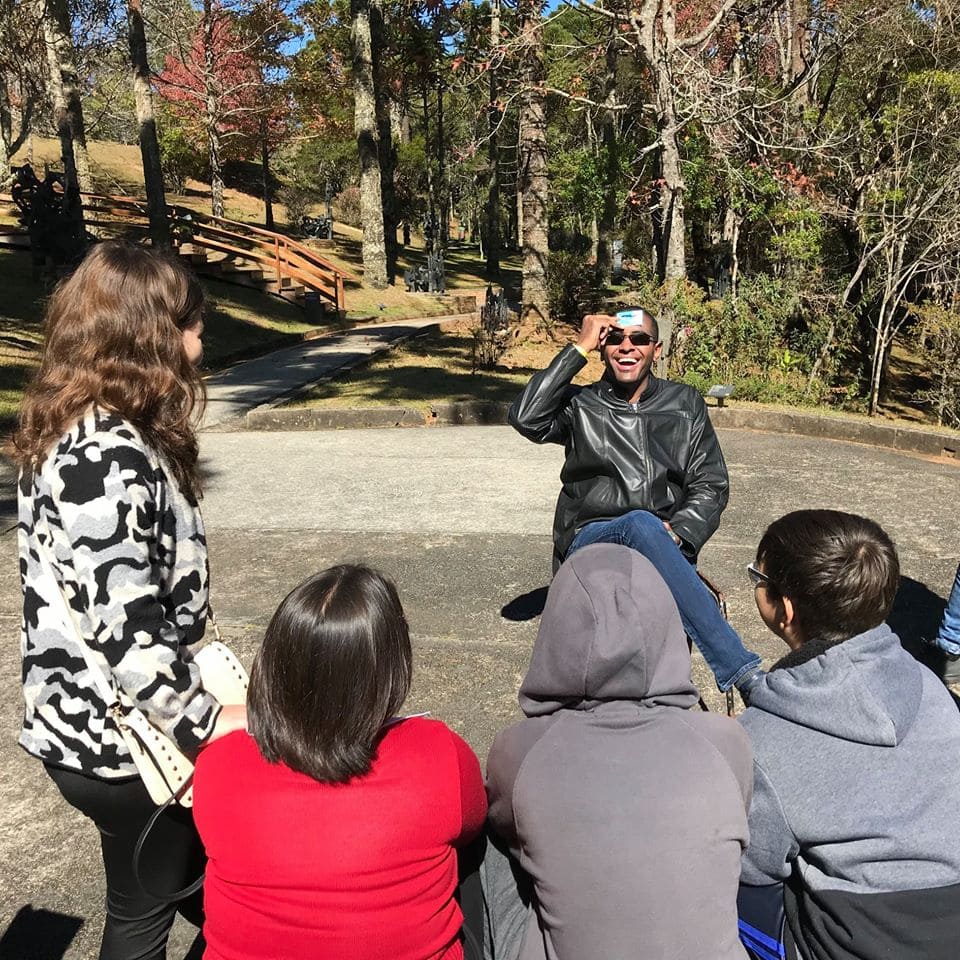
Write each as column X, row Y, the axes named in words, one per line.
column 906, row 439
column 473, row 412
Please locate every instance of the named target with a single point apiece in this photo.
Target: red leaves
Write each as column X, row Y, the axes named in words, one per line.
column 242, row 104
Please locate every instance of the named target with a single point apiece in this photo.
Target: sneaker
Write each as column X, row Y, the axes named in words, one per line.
column 951, row 668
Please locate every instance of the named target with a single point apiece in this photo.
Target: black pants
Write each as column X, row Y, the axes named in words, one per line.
column 138, row 924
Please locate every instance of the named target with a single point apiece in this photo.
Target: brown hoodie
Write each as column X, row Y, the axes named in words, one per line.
column 627, row 808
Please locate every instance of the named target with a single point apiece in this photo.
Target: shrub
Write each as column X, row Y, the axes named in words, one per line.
column 346, row 207
column 940, row 348
column 180, row 160
column 297, row 202
column 574, row 286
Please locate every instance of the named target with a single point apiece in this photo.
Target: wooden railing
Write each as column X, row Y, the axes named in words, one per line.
column 273, row 253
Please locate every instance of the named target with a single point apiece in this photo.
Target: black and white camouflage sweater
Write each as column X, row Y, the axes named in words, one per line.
column 131, row 557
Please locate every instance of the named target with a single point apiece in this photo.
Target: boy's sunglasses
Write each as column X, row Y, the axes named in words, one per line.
column 615, row 337
column 758, row 578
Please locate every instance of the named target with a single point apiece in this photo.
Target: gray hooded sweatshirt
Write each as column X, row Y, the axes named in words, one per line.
column 856, row 800
column 626, row 807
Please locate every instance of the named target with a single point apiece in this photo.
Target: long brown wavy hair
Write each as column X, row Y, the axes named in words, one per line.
column 114, row 339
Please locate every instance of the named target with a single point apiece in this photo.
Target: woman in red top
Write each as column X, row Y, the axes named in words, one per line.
column 331, row 827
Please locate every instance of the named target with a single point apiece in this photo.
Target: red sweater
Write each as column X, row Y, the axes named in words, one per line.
column 364, row 870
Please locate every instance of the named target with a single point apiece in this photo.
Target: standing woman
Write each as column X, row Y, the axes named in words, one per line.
column 108, row 490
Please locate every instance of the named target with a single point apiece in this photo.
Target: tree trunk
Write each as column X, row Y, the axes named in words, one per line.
column 146, row 122
column 212, row 94
column 799, row 11
column 10, row 144
column 493, row 152
column 386, row 151
column 365, row 124
column 61, row 72
column 268, row 220
column 606, row 225
column 428, row 232
column 534, row 182
column 65, row 91
column 657, row 32
column 443, row 198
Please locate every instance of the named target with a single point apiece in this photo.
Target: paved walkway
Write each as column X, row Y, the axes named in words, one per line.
column 252, row 383
column 460, row 517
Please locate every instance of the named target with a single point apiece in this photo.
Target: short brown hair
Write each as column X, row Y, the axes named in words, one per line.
column 334, row 666
column 840, row 570
column 114, row 338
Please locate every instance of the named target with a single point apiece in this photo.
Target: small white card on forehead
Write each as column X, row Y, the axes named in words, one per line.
column 630, row 318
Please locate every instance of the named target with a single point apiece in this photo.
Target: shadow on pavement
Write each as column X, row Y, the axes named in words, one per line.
column 38, row 935
column 915, row 618
column 526, row 606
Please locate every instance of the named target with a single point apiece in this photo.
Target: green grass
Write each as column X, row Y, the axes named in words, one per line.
column 240, row 323
column 21, row 313
column 432, row 368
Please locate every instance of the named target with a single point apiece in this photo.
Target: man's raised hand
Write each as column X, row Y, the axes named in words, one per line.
column 593, row 330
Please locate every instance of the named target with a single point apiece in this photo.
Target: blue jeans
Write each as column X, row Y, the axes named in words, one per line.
column 719, row 643
column 948, row 637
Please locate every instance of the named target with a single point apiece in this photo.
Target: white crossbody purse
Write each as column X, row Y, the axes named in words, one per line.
column 165, row 770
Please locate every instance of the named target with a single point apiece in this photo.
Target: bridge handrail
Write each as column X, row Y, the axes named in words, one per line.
column 288, row 258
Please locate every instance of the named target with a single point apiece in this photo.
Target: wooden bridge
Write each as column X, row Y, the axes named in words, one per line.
column 235, row 252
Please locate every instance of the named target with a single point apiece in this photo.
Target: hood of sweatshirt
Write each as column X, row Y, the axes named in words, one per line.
column 866, row 689
column 610, row 631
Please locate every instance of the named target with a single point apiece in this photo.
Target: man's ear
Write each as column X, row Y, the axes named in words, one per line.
column 657, row 350
column 789, row 625
column 789, row 614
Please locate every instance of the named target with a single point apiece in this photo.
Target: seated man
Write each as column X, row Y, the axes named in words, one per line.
column 643, row 468
column 627, row 809
column 857, row 779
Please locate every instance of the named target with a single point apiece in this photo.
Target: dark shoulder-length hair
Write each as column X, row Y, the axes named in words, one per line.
column 334, row 666
column 114, row 339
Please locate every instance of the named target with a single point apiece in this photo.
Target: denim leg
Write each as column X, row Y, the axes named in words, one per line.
column 948, row 637
column 719, row 643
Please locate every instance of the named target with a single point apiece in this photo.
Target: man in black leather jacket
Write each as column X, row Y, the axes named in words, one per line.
column 643, row 468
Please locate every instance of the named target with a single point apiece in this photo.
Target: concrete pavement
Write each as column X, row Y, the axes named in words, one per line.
column 252, row 383
column 460, row 517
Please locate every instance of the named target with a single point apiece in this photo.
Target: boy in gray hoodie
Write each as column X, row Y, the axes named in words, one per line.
column 857, row 753
column 626, row 808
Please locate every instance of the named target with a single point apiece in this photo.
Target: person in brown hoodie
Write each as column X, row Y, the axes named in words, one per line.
column 626, row 808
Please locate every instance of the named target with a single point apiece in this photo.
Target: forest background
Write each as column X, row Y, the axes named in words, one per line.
column 781, row 176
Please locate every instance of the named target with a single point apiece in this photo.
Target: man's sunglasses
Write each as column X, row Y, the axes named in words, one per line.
column 758, row 578
column 615, row 337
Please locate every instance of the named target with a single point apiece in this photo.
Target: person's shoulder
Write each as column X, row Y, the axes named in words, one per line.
column 96, row 452
column 420, row 730
column 727, row 742
column 233, row 751
column 766, row 731
column 513, row 744
column 97, row 433
column 426, row 741
column 723, row 733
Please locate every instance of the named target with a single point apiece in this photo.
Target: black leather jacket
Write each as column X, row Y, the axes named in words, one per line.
column 660, row 454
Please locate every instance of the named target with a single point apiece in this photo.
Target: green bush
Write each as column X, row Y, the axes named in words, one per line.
column 346, row 207
column 574, row 286
column 180, row 159
column 297, row 202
